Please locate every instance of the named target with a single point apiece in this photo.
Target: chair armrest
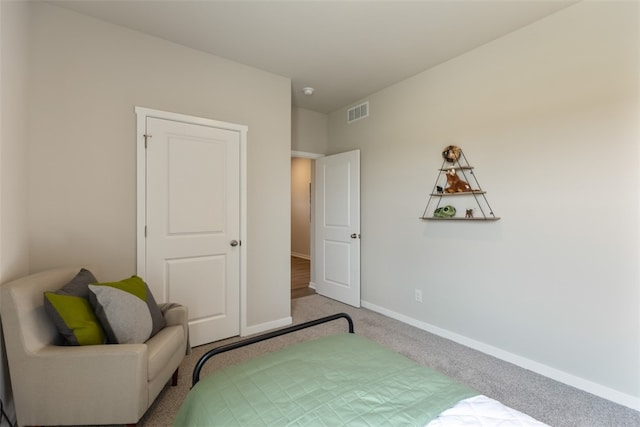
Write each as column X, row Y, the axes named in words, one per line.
column 177, row 315
column 174, row 314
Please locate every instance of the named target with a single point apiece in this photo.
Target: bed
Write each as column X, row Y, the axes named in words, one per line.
column 338, row 380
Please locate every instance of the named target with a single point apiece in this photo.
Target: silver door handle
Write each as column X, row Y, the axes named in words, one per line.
column 233, row 243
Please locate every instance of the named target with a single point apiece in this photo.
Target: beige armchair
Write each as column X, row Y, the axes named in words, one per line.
column 75, row 385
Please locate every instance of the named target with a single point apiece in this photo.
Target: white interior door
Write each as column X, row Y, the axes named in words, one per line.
column 337, row 226
column 193, row 223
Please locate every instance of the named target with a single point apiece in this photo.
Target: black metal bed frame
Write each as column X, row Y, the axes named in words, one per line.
column 222, row 349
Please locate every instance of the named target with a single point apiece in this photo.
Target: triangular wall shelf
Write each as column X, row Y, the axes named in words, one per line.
column 469, row 201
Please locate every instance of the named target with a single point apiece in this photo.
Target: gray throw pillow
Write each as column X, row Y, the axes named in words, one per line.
column 136, row 287
column 124, row 316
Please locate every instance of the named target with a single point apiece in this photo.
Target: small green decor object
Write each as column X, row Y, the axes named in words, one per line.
column 444, row 212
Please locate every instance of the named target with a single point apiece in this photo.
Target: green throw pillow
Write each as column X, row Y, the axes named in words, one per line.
column 127, row 310
column 74, row 319
column 72, row 314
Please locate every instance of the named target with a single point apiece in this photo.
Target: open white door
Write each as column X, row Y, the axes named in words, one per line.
column 337, row 226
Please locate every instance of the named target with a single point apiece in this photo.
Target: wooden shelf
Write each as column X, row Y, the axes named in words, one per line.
column 466, row 174
column 456, row 168
column 460, row 193
column 460, row 219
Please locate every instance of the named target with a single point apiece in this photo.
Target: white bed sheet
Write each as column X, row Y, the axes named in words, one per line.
column 485, row 412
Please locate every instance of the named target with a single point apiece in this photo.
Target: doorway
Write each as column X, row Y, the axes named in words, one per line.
column 333, row 197
column 302, row 223
column 301, row 226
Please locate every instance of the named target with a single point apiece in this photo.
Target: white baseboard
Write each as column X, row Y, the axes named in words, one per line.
column 539, row 368
column 263, row 327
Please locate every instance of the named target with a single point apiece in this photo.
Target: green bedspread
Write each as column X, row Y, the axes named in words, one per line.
column 340, row 380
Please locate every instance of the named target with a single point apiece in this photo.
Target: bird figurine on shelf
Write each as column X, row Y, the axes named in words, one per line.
column 451, row 153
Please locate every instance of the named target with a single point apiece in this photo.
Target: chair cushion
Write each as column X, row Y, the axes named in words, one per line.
column 127, row 310
column 71, row 313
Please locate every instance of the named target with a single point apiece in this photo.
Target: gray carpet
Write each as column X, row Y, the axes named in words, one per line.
column 554, row 403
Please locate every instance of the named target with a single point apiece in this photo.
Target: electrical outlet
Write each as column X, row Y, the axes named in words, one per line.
column 418, row 295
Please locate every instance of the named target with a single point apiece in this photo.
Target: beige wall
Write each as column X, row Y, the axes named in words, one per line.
column 86, row 78
column 301, row 207
column 548, row 115
column 14, row 260
column 309, row 131
column 14, row 257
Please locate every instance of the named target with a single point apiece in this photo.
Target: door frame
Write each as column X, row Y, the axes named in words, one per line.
column 312, row 229
column 142, row 113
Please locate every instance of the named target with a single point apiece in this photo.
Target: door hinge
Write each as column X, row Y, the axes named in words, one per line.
column 146, row 139
column 145, row 231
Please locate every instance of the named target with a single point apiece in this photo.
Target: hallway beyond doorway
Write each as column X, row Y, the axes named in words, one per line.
column 300, row 277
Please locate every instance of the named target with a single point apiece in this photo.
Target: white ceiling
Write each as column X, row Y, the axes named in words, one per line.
column 346, row 50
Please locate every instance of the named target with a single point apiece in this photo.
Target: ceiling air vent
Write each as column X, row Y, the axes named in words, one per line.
column 358, row 112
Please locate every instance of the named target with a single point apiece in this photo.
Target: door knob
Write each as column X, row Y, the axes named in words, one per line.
column 354, row 236
column 233, row 243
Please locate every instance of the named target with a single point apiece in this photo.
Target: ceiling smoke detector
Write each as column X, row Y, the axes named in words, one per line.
column 308, row 91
